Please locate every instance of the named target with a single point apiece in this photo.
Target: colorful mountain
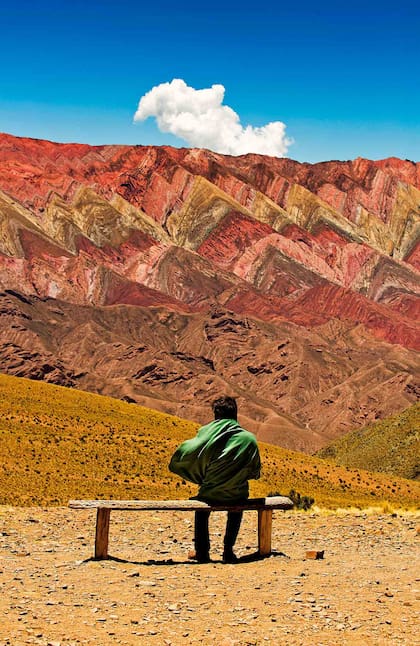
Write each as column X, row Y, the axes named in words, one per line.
column 166, row 276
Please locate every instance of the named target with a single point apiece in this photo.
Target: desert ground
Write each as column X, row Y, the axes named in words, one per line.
column 366, row 589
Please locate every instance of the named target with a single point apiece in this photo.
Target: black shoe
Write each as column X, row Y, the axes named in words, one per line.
column 200, row 558
column 229, row 557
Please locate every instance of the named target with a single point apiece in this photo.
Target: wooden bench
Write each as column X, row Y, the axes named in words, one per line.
column 264, row 506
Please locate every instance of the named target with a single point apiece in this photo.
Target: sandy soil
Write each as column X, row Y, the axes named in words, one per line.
column 366, row 590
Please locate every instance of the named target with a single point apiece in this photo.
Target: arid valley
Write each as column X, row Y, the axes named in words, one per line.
column 137, row 283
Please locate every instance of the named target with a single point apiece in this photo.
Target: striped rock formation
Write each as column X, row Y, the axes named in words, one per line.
column 166, row 276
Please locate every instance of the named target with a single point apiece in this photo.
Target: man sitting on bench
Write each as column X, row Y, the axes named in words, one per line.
column 221, row 458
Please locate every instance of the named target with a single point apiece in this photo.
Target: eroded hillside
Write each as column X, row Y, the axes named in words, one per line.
column 167, row 276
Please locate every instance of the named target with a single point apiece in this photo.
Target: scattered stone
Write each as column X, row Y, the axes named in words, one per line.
column 242, row 608
column 315, row 554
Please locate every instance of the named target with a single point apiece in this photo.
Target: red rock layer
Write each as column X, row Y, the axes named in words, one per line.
column 223, row 250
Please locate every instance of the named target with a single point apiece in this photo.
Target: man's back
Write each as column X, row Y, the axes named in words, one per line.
column 221, row 458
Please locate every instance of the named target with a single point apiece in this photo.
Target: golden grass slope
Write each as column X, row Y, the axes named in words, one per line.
column 57, row 444
column 391, row 446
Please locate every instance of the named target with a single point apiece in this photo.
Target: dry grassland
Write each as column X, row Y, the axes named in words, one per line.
column 391, row 445
column 57, row 444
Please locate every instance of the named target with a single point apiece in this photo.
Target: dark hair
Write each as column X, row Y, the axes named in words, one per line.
column 225, row 408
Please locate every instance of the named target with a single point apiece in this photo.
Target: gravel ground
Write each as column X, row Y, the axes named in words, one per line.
column 366, row 590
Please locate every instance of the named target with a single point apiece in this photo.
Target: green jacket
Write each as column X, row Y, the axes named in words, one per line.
column 221, row 458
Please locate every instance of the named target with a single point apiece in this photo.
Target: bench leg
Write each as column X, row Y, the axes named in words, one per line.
column 265, row 521
column 102, row 533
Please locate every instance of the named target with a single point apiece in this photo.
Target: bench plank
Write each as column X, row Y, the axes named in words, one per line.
column 272, row 502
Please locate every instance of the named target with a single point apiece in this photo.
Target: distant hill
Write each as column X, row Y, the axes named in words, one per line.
column 391, row 446
column 58, row 443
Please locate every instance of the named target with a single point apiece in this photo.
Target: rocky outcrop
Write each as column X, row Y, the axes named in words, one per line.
column 218, row 261
column 296, row 387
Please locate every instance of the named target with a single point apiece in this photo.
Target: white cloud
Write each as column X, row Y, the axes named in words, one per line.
column 198, row 117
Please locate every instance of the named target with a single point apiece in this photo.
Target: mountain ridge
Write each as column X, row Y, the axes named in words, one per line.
column 241, row 253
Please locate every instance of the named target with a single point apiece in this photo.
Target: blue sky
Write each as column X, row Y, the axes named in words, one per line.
column 343, row 77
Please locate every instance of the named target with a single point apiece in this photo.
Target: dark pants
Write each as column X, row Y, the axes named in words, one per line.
column 201, row 531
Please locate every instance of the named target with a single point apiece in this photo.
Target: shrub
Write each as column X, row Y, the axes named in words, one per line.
column 301, row 502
